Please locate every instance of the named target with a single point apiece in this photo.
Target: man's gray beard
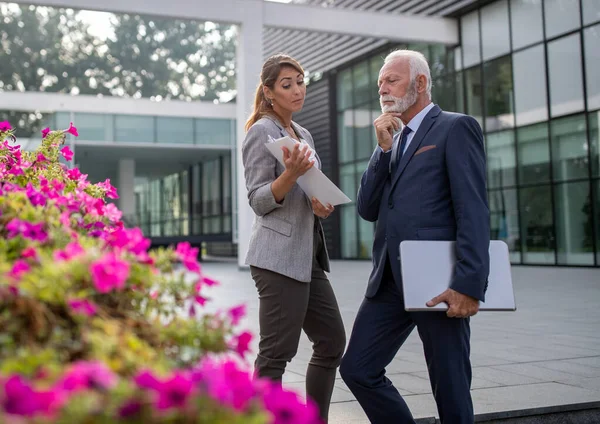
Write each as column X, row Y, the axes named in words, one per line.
column 401, row 104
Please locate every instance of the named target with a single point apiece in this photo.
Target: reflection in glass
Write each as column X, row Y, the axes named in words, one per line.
column 376, row 65
column 526, row 22
column 495, row 37
column 594, row 138
column 596, row 193
column 344, row 89
column 566, row 82
column 348, row 231
column 346, row 136
column 94, row 126
column 460, row 93
column 443, row 92
column 504, row 220
column 363, row 132
column 561, row 16
column 536, row 222
column 474, row 92
column 569, row 148
column 498, row 94
column 174, row 130
column 362, row 86
column 133, row 128
column 501, row 162
column 591, row 11
column 534, row 154
column 214, row 131
column 348, row 182
column 529, row 72
column 574, row 224
column 592, row 65
column 469, row 30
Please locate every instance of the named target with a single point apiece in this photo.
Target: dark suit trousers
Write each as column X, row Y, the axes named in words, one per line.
column 381, row 327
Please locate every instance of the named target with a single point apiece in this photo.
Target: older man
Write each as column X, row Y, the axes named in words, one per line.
column 425, row 183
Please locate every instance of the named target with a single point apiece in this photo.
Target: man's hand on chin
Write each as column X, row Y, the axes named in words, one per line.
column 459, row 305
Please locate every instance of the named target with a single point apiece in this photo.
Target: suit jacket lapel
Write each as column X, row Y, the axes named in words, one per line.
column 415, row 142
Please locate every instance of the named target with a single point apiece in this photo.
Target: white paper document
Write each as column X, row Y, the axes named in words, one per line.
column 314, row 183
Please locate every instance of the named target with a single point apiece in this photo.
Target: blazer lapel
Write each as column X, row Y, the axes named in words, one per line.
column 415, row 142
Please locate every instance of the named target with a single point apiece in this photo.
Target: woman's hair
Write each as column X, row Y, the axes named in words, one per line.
column 268, row 77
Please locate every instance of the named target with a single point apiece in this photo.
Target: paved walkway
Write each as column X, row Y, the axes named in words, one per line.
column 545, row 354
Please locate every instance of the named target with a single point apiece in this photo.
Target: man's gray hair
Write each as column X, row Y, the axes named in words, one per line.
column 417, row 63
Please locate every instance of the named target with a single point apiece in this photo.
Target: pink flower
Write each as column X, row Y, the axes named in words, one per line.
column 45, row 132
column 130, row 409
column 209, row 281
column 112, row 212
column 35, row 232
column 41, row 158
column 83, row 307
column 109, row 273
column 131, row 239
column 71, row 250
column 29, row 252
column 35, row 197
column 111, row 192
column 87, row 375
column 19, row 268
column 226, row 383
column 200, row 300
column 15, row 227
column 242, row 343
column 287, row 408
column 72, row 130
column 75, row 174
column 237, row 313
column 67, row 153
column 172, row 392
column 21, row 399
column 5, row 126
column 188, row 256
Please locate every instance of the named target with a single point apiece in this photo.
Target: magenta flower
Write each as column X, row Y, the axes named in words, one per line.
column 41, row 158
column 83, row 307
column 21, row 399
column 87, row 375
column 29, row 252
column 71, row 250
column 35, row 232
column 35, row 197
column 226, row 383
column 287, row 408
column 200, row 300
column 15, row 227
column 241, row 343
column 72, row 130
column 5, row 126
column 75, row 174
column 19, row 268
column 45, row 132
column 237, row 313
column 111, row 192
column 67, row 153
column 112, row 212
column 109, row 273
column 188, row 256
column 209, row 281
column 172, row 392
column 130, row 409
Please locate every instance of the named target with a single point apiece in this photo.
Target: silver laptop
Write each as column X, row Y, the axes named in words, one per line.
column 427, row 268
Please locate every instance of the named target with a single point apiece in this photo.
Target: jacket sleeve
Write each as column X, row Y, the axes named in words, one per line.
column 372, row 184
column 259, row 171
column 465, row 160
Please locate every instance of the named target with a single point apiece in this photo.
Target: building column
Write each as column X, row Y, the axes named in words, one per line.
column 126, row 185
column 249, row 64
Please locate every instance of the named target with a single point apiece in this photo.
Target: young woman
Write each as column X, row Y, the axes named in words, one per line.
column 287, row 253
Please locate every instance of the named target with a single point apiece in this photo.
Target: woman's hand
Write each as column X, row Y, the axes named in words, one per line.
column 297, row 162
column 320, row 210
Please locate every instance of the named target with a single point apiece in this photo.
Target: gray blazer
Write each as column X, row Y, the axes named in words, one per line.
column 282, row 234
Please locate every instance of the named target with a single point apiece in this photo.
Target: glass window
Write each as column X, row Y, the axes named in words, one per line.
column 498, row 94
column 362, row 87
column 346, row 136
column 376, row 65
column 458, row 59
column 62, row 120
column 439, row 60
column 569, row 148
column 366, row 232
column 561, row 16
column 536, row 220
column 591, row 11
column 504, row 220
column 596, row 185
column 348, row 180
column 501, row 162
column 526, row 22
column 174, row 130
column 344, row 89
column 495, row 37
column 348, row 231
column 444, row 92
column 594, row 137
column 214, row 131
column 574, row 224
column 592, row 65
column 133, row 128
column 469, row 34
column 364, row 132
column 94, row 126
column 460, row 92
column 474, row 92
column 529, row 73
column 534, row 154
column 566, row 84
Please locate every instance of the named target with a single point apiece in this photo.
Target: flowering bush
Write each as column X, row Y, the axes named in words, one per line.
column 95, row 328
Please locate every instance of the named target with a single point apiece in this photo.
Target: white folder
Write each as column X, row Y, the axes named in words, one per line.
column 427, row 270
column 314, row 183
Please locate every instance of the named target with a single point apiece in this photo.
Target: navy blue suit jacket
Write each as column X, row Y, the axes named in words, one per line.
column 438, row 192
